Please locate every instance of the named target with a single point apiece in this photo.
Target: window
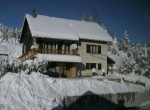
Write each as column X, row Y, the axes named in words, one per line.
column 67, row 48
column 93, row 49
column 90, row 65
column 99, row 66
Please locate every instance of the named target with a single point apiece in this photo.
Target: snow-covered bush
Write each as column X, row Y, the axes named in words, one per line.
column 127, row 66
column 34, row 66
column 16, row 66
column 8, row 34
column 138, row 61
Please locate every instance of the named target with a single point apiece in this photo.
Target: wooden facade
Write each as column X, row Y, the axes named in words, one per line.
column 49, row 46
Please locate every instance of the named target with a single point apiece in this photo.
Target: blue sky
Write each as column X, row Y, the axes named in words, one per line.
column 116, row 15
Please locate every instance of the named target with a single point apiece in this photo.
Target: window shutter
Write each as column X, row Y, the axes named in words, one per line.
column 99, row 49
column 87, row 65
column 88, row 48
column 99, row 66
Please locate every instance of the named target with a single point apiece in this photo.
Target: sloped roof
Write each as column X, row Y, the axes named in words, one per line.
column 59, row 28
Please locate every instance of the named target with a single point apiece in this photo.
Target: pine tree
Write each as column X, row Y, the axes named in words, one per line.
column 125, row 45
column 112, row 46
column 138, row 61
column 8, row 34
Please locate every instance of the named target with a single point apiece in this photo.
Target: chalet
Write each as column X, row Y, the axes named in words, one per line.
column 72, row 48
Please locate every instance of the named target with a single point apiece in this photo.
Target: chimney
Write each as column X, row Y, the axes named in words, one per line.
column 34, row 15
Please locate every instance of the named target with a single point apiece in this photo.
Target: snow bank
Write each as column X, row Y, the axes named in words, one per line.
column 136, row 78
column 24, row 92
column 77, row 87
column 39, row 92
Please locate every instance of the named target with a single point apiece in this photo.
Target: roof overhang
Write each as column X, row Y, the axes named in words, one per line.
column 59, row 58
column 110, row 61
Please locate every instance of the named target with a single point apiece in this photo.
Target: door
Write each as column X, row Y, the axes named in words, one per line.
column 69, row 72
column 59, row 48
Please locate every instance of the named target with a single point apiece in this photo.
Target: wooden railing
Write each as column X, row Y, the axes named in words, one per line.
column 28, row 55
column 31, row 53
column 56, row 51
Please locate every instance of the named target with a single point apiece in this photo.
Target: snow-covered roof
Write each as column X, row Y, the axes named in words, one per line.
column 59, row 28
column 3, row 50
column 56, row 57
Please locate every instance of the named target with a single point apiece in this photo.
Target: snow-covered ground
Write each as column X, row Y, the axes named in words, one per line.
column 40, row 92
column 136, row 78
column 145, row 106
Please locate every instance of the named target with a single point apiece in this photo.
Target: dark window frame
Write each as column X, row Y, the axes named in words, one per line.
column 95, row 49
column 90, row 65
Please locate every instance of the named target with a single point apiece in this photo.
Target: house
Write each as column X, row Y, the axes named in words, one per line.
column 71, row 47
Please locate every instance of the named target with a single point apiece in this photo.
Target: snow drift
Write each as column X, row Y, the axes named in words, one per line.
column 40, row 92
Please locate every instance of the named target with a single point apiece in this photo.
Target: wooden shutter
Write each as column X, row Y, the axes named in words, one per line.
column 88, row 48
column 99, row 49
column 99, row 66
column 87, row 66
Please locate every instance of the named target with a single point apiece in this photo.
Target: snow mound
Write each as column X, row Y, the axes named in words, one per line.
column 40, row 92
column 24, row 92
column 136, row 78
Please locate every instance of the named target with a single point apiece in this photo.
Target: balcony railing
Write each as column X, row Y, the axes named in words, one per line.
column 31, row 54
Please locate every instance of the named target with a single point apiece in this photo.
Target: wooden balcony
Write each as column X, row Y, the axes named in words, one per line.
column 32, row 53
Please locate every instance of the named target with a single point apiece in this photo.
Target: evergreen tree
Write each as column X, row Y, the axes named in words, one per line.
column 9, row 34
column 138, row 61
column 124, row 45
column 113, row 46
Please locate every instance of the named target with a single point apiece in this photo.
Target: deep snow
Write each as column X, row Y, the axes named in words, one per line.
column 40, row 92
